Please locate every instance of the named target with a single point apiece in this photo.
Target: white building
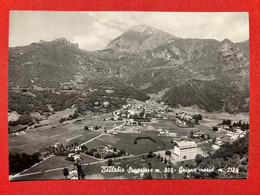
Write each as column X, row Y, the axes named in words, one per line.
column 73, row 173
column 185, row 150
column 172, row 134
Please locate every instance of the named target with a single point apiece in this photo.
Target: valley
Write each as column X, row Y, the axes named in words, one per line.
column 127, row 106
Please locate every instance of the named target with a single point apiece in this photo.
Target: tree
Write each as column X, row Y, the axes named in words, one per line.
column 150, row 154
column 65, row 172
column 191, row 134
column 25, row 119
column 86, row 128
column 168, row 152
column 198, row 158
column 135, row 116
column 148, row 174
column 214, row 128
column 109, row 162
column 141, row 114
column 196, row 121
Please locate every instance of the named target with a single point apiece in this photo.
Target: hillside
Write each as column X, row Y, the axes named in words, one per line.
column 211, row 74
column 228, row 156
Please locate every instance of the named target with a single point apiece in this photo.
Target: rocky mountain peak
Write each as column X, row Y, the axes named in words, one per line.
column 140, row 38
column 144, row 29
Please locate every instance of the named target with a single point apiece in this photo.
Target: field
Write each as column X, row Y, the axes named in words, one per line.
column 57, row 162
column 172, row 127
column 35, row 139
column 219, row 116
column 42, row 176
column 73, row 132
column 126, row 141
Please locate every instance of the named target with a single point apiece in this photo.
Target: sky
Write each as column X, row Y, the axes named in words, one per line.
column 94, row 30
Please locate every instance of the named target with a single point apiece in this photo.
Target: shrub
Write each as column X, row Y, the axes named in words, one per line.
column 214, row 128
column 110, row 162
column 25, row 119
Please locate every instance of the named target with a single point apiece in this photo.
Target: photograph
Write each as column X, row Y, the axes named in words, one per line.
column 128, row 95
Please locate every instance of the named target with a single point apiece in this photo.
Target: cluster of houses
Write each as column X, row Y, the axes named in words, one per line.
column 150, row 109
column 70, row 151
column 184, row 120
column 104, row 152
column 236, row 135
column 232, row 129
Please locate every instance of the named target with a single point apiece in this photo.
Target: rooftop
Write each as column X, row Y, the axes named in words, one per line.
column 186, row 144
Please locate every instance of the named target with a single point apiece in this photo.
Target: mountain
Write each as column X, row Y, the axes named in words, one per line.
column 139, row 39
column 211, row 74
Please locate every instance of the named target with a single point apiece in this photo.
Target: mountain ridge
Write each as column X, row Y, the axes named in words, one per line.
column 150, row 60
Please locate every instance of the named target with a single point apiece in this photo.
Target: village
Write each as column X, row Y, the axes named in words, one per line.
column 140, row 129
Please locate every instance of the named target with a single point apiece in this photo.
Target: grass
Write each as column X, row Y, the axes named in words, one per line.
column 34, row 139
column 50, row 163
column 126, row 141
column 57, row 162
column 53, row 175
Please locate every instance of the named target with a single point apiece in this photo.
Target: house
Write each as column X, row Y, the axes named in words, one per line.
column 75, row 157
column 105, row 103
column 185, row 150
column 76, row 149
column 162, row 133
column 225, row 127
column 73, row 173
column 131, row 122
column 172, row 134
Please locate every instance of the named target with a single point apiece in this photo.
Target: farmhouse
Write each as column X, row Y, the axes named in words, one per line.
column 185, row 150
column 74, row 156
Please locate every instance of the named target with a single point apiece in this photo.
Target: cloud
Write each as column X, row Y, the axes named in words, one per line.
column 94, row 30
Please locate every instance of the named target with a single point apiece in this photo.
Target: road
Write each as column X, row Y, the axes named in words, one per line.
column 108, row 131
column 61, row 168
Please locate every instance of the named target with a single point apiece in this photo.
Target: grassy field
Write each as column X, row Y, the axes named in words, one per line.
column 172, row 127
column 53, row 175
column 34, row 139
column 57, row 162
column 213, row 115
column 50, row 163
column 126, row 141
